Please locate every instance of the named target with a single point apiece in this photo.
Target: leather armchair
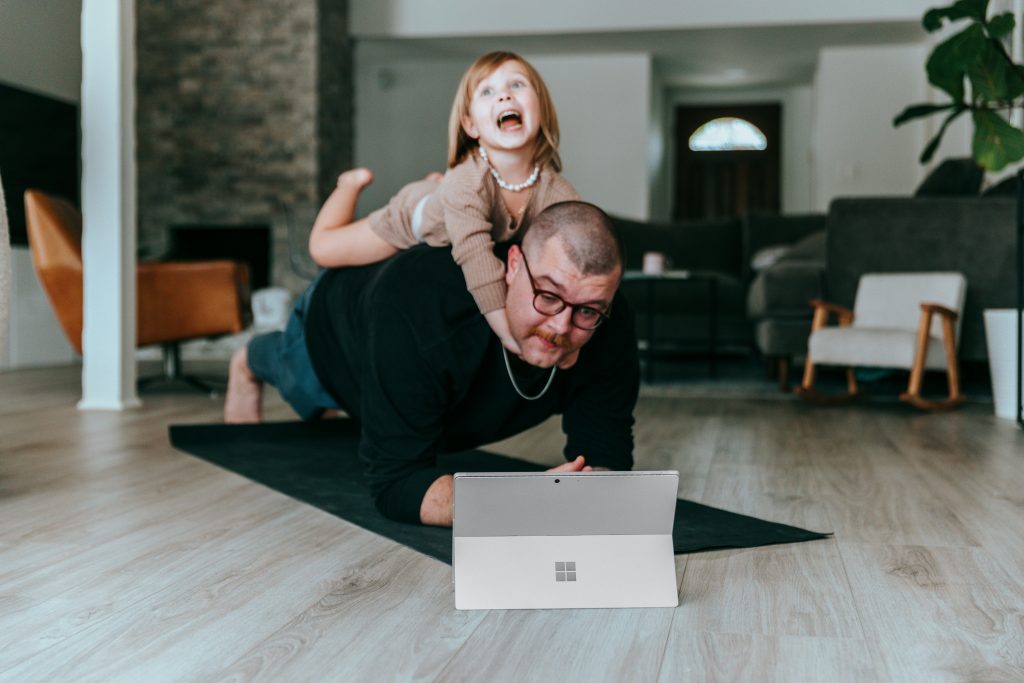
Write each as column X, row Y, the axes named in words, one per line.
column 176, row 301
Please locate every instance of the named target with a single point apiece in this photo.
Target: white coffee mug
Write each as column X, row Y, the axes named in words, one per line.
column 654, row 263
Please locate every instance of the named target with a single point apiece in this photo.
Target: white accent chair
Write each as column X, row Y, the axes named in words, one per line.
column 899, row 320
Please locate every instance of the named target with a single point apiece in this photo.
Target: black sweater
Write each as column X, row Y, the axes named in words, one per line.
column 403, row 348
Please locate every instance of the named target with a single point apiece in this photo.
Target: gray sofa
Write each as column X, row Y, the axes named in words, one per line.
column 972, row 235
column 721, row 249
column 779, row 292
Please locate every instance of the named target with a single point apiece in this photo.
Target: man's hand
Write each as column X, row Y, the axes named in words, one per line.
column 577, row 465
column 436, row 508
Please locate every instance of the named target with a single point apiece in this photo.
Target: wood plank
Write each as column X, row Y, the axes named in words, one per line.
column 870, row 492
column 408, row 599
column 703, row 656
column 938, row 613
column 783, row 590
column 192, row 615
column 122, row 558
column 586, row 645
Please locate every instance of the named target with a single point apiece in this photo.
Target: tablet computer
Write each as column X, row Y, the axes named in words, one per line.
column 556, row 539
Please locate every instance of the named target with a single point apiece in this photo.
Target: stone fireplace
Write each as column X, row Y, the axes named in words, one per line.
column 248, row 244
column 244, row 108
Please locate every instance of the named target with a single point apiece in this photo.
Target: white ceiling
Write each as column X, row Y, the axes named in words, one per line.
column 697, row 58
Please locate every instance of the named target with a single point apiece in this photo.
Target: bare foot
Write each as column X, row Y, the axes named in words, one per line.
column 355, row 179
column 244, row 401
column 435, row 176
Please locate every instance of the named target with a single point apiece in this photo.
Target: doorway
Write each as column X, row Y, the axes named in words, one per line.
column 726, row 176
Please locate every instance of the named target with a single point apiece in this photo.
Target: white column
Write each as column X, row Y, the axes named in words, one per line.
column 108, row 204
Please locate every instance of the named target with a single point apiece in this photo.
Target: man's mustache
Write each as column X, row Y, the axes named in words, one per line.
column 559, row 340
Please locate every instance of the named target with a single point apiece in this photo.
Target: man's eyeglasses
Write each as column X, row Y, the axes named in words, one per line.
column 584, row 316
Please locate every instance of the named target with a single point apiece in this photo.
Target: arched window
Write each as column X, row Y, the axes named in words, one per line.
column 727, row 134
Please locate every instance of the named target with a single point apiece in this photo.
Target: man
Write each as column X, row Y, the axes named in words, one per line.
column 402, row 347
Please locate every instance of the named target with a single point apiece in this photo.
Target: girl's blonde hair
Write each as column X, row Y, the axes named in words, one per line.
column 460, row 145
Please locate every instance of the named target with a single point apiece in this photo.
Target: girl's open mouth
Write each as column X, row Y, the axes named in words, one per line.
column 509, row 120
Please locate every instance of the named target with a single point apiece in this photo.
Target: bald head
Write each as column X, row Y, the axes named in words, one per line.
column 586, row 233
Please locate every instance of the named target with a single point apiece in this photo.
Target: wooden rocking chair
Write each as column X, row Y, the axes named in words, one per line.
column 900, row 320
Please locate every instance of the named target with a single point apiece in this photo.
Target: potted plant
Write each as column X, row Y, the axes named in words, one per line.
column 975, row 69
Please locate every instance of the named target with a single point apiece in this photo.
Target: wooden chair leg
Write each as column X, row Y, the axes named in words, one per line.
column 806, row 389
column 784, row 364
column 807, row 384
column 913, row 393
column 952, row 369
column 851, row 382
column 920, row 352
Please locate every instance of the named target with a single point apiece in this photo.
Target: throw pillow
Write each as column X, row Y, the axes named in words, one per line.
column 810, row 248
column 767, row 257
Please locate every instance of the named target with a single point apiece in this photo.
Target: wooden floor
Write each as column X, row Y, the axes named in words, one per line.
column 123, row 559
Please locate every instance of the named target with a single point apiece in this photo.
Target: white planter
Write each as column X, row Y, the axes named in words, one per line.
column 1002, row 359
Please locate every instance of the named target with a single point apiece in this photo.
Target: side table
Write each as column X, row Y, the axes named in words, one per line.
column 675, row 278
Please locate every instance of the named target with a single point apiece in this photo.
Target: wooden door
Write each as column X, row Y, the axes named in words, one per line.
column 719, row 184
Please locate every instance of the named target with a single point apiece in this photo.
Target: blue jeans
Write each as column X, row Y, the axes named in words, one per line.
column 282, row 359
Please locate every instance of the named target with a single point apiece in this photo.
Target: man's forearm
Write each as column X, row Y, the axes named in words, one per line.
column 436, row 508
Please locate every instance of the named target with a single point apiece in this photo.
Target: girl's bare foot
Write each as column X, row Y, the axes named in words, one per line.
column 244, row 401
column 355, row 179
column 435, row 176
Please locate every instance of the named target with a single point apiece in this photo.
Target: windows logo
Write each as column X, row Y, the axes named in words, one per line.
column 565, row 571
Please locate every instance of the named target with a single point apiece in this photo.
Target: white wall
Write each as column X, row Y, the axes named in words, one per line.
column 39, row 51
column 416, row 18
column 659, row 149
column 857, row 151
column 603, row 104
column 401, row 119
column 797, row 122
column 39, row 46
column 34, row 338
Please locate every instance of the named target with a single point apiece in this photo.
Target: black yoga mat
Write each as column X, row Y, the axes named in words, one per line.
column 316, row 462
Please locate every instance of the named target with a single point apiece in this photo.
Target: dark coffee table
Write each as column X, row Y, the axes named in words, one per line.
column 677, row 278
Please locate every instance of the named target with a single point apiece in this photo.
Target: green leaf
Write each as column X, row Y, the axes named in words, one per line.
column 996, row 142
column 933, row 144
column 950, row 60
column 916, row 111
column 1015, row 85
column 1001, row 25
column 962, row 9
column 992, row 76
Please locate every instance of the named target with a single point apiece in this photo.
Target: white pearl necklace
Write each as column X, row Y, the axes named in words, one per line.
column 517, row 187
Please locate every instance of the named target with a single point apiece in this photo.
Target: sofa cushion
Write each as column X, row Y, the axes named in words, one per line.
column 761, row 231
column 872, row 347
column 952, row 178
column 786, row 289
column 768, row 257
column 811, row 248
column 784, row 337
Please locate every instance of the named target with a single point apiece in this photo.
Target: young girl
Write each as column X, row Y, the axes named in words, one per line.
column 503, row 169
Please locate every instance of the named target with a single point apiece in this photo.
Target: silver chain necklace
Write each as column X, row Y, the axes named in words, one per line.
column 516, row 187
column 551, row 377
